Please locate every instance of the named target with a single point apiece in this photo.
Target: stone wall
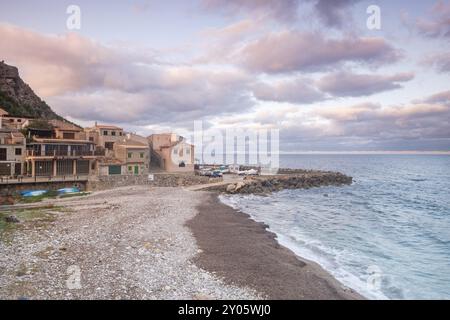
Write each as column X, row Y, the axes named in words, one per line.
column 159, row 180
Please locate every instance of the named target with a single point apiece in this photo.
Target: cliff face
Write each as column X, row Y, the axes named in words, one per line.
column 18, row 99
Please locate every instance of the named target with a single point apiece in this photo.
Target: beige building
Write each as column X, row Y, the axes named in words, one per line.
column 59, row 150
column 172, row 152
column 134, row 154
column 8, row 122
column 12, row 153
column 104, row 136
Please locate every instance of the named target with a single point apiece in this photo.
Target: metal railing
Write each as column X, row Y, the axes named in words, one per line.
column 59, row 153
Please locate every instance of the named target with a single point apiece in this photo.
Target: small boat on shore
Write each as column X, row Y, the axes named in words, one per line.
column 33, row 193
column 68, row 190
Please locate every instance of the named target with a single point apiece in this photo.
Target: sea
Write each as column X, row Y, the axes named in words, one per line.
column 387, row 236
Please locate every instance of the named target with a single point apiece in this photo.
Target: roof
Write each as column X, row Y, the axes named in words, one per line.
column 12, row 132
column 179, row 142
column 129, row 143
column 3, row 112
column 63, row 125
column 108, row 161
column 105, row 126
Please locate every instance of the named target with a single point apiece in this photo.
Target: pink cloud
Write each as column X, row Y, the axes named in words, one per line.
column 290, row 51
column 437, row 24
column 349, row 84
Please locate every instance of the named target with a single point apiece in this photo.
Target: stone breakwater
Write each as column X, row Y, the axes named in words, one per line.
column 268, row 184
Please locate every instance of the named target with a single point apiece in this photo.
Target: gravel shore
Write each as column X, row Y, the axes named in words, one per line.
column 126, row 243
column 151, row 243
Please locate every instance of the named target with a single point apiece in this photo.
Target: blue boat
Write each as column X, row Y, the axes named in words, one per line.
column 68, row 190
column 33, row 193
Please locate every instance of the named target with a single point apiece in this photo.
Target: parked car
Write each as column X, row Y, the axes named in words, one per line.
column 217, row 174
column 224, row 169
column 251, row 172
column 205, row 172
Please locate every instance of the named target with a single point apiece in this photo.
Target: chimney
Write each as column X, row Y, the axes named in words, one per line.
column 95, row 123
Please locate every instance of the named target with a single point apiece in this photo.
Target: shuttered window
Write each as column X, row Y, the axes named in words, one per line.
column 114, row 170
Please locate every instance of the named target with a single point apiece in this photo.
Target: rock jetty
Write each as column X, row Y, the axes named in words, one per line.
column 294, row 180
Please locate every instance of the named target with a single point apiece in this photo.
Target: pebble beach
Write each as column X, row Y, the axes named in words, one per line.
column 152, row 243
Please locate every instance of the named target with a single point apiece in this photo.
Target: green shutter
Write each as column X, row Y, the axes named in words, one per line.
column 114, row 169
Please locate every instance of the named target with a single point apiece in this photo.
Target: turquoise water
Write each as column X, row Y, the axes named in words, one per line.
column 387, row 235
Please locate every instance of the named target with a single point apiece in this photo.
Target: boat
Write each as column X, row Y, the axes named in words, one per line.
column 33, row 193
column 68, row 190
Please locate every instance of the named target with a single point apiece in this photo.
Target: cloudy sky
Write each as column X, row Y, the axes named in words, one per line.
column 310, row 68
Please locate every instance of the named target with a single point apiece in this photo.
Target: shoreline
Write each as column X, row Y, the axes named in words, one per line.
column 244, row 253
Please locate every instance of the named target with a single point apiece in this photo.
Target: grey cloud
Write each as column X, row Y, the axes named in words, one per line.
column 282, row 11
column 440, row 97
column 440, row 61
column 334, row 13
column 437, row 24
column 343, row 84
column 290, row 51
column 297, row 91
column 203, row 95
column 331, row 13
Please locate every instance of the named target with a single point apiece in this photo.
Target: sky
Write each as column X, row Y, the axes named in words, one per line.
column 311, row 69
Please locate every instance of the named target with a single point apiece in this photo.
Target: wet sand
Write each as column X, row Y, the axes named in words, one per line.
column 244, row 253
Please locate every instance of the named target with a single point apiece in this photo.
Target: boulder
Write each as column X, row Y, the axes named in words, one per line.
column 12, row 219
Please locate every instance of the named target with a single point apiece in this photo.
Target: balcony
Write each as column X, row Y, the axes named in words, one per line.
column 60, row 153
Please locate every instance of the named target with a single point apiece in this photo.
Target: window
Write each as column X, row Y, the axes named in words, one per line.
column 120, row 133
column 188, row 151
column 91, row 138
column 130, row 154
column 109, row 145
column 142, row 155
column 175, row 150
column 113, row 133
column 130, row 168
column 18, row 152
column 19, row 120
column 114, row 170
column 105, row 133
column 3, row 154
column 68, row 135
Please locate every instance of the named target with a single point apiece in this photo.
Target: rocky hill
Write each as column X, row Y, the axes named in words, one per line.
column 18, row 99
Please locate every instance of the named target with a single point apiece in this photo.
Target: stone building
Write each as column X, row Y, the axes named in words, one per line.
column 172, row 153
column 134, row 154
column 12, row 153
column 104, row 136
column 59, row 150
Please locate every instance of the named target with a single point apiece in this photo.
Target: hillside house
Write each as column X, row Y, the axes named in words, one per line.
column 12, row 153
column 59, row 150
